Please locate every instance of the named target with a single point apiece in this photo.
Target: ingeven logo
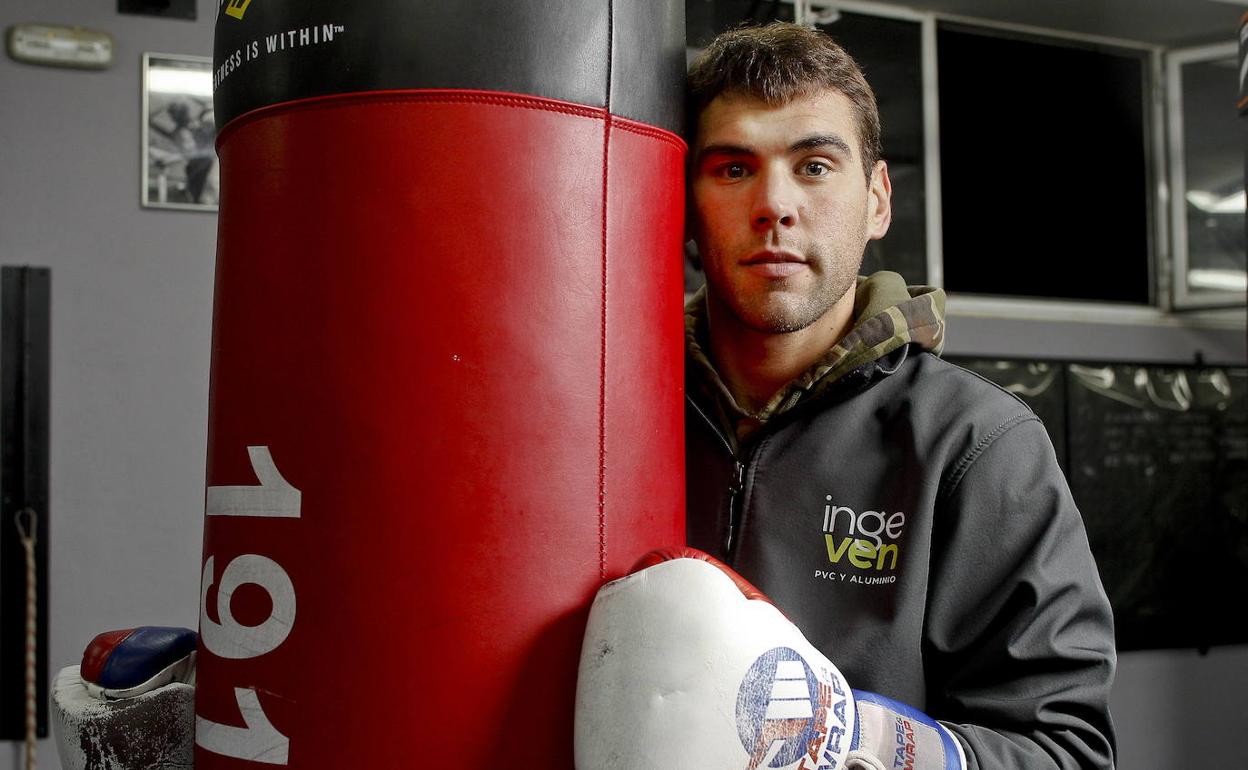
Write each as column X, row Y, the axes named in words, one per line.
column 868, row 540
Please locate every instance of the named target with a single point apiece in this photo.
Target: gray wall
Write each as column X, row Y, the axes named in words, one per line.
column 132, row 293
column 131, row 320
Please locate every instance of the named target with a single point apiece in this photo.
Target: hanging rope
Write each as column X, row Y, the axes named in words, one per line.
column 27, row 523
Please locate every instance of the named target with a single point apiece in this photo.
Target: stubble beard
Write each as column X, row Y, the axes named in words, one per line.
column 783, row 309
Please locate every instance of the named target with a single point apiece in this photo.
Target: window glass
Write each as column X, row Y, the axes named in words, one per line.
column 1213, row 184
column 1044, row 167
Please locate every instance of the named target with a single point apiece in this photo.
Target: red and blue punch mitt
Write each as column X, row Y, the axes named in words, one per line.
column 132, row 661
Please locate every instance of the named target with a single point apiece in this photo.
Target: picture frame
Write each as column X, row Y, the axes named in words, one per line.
column 179, row 159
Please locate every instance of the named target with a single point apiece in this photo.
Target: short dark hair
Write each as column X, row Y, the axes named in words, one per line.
column 777, row 63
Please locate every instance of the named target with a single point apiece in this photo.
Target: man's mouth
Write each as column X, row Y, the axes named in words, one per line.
column 767, row 256
column 774, row 264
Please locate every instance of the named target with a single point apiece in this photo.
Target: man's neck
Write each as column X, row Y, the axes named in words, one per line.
column 757, row 365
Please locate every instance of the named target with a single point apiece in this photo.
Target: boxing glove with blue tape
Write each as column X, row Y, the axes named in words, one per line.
column 686, row 665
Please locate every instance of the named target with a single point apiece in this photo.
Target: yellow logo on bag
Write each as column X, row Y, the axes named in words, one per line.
column 237, row 8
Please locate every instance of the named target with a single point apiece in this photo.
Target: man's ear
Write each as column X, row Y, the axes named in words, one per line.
column 879, row 202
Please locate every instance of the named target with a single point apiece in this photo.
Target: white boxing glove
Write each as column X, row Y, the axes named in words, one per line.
column 130, row 705
column 686, row 666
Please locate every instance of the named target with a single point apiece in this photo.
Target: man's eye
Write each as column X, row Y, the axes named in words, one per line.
column 815, row 168
column 732, row 171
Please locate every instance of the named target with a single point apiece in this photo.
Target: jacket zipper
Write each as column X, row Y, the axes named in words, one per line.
column 738, row 480
column 737, row 486
column 734, row 495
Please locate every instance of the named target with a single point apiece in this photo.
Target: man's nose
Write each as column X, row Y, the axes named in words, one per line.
column 775, row 202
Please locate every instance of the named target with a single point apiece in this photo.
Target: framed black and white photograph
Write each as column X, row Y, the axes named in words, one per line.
column 179, row 161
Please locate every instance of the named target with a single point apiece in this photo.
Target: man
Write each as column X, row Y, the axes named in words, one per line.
column 909, row 517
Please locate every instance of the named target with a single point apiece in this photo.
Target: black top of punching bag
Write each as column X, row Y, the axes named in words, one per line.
column 625, row 55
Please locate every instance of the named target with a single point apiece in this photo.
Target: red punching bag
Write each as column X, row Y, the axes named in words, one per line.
column 446, row 374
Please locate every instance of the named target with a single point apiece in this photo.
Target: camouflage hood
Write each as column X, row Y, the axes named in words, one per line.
column 887, row 315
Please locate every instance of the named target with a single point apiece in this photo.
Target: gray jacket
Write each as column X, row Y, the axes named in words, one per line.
column 911, row 519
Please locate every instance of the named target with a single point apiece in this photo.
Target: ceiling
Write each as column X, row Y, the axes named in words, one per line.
column 1170, row 23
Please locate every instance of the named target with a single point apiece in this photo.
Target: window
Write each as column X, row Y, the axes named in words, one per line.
column 1044, row 167
column 1207, row 177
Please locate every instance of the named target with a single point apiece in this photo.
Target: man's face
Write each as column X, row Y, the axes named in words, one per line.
column 781, row 209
